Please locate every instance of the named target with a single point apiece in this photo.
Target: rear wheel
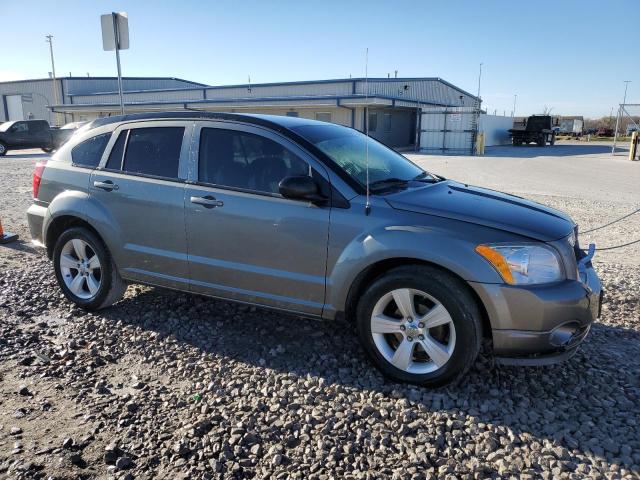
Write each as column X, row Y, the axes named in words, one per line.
column 419, row 325
column 3, row 149
column 85, row 270
column 542, row 140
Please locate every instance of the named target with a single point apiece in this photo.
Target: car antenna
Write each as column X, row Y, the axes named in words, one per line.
column 367, row 206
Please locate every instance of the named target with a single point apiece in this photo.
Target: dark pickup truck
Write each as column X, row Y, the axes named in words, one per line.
column 23, row 134
column 537, row 128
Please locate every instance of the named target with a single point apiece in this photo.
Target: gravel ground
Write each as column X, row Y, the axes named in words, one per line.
column 166, row 385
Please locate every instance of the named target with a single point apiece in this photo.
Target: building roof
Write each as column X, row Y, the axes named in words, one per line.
column 47, row 79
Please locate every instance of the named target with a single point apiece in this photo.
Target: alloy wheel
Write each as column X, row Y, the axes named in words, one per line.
column 80, row 268
column 413, row 331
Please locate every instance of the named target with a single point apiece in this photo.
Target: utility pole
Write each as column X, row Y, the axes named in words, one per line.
column 49, row 40
column 624, row 100
column 515, row 98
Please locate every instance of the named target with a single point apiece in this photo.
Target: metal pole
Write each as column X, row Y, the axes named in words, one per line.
column 479, row 79
column 49, row 40
column 515, row 97
column 117, row 41
column 624, row 100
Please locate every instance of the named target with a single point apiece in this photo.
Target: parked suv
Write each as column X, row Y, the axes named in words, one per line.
column 274, row 211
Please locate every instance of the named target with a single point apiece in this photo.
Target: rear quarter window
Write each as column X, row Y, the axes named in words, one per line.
column 89, row 152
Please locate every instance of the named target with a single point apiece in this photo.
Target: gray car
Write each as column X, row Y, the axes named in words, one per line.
column 274, row 211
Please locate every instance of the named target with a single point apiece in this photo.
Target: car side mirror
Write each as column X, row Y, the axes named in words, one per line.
column 300, row 187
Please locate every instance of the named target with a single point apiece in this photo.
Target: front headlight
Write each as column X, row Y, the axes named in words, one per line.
column 524, row 264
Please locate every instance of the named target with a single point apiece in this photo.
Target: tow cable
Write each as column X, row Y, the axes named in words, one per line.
column 611, row 223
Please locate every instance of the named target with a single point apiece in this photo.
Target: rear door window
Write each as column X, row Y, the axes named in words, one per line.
column 89, row 152
column 153, row 151
column 38, row 126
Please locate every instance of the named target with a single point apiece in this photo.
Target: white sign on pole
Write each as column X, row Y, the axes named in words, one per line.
column 109, row 28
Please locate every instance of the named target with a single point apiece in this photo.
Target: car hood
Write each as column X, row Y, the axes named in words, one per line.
column 484, row 207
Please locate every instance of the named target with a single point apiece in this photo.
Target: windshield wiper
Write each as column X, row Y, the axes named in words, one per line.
column 387, row 182
column 422, row 177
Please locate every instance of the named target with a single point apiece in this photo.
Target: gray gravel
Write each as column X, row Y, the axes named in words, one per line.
column 167, row 385
column 164, row 384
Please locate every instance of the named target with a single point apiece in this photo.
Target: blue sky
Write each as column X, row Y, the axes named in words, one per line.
column 571, row 56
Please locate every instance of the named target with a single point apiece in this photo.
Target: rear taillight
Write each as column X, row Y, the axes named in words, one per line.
column 37, row 177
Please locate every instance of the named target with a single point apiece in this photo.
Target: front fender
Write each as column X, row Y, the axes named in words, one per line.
column 451, row 249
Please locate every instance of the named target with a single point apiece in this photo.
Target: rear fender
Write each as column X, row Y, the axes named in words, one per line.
column 81, row 205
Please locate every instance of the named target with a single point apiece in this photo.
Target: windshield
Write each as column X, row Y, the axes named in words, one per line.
column 347, row 147
column 5, row 126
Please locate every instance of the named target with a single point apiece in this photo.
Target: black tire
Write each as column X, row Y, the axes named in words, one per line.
column 48, row 149
column 542, row 140
column 111, row 287
column 453, row 294
column 3, row 149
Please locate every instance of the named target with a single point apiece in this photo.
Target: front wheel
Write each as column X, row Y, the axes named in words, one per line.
column 85, row 270
column 3, row 149
column 420, row 325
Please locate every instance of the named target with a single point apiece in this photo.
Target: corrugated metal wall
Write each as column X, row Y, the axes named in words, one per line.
column 36, row 95
column 431, row 91
column 282, row 90
column 449, row 131
column 79, row 85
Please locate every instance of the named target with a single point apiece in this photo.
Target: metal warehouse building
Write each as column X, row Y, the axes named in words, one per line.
column 425, row 113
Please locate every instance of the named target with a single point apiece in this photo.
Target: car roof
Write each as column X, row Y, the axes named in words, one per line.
column 270, row 121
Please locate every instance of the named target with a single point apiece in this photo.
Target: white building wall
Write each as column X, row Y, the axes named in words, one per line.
column 495, row 129
column 35, row 96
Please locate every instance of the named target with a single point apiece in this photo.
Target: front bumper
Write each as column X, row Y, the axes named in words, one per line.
column 544, row 324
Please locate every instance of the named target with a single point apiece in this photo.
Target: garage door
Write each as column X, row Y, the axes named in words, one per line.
column 448, row 131
column 14, row 107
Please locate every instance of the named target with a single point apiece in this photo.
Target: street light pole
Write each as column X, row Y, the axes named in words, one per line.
column 49, row 40
column 624, row 100
column 513, row 113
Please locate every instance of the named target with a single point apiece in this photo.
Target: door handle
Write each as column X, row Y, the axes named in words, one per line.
column 107, row 185
column 207, row 202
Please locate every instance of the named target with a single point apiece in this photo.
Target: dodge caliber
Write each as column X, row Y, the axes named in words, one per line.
column 321, row 221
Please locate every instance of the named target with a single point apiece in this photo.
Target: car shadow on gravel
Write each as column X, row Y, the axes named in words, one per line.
column 21, row 245
column 588, row 405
